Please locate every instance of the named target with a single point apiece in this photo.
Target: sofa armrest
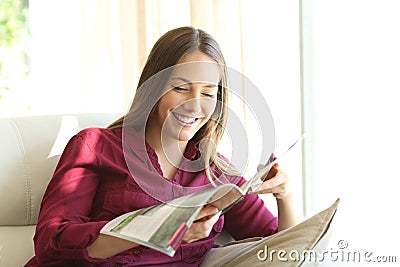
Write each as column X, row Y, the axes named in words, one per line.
column 16, row 245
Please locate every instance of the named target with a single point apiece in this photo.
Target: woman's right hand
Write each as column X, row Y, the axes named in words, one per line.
column 202, row 226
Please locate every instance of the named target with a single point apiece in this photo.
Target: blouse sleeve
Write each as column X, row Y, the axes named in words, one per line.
column 250, row 218
column 64, row 229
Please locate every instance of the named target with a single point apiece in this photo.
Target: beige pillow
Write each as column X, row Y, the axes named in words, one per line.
column 295, row 246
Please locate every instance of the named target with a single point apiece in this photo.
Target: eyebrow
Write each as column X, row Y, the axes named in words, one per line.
column 189, row 82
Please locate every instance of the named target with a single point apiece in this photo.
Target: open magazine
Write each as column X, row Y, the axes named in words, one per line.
column 162, row 227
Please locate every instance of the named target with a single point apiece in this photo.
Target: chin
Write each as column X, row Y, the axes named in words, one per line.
column 187, row 133
column 185, row 137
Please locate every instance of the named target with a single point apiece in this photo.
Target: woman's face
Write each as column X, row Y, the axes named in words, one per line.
column 190, row 97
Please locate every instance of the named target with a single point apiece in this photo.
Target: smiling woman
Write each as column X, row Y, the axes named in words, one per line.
column 191, row 104
column 183, row 109
column 177, row 118
column 197, row 58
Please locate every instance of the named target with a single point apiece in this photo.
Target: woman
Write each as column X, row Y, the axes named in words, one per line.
column 103, row 173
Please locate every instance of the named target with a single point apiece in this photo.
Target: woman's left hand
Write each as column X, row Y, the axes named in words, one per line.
column 276, row 183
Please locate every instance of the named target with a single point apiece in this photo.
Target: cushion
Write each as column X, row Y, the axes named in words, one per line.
column 295, row 246
column 29, row 151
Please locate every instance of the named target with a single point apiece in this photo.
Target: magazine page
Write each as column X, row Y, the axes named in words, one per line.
column 160, row 227
column 253, row 183
column 226, row 196
column 163, row 226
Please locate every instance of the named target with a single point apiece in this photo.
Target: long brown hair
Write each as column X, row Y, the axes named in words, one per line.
column 167, row 52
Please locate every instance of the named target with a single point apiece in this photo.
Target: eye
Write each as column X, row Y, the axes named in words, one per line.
column 209, row 95
column 179, row 89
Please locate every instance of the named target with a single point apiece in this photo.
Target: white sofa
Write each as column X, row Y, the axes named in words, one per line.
column 29, row 150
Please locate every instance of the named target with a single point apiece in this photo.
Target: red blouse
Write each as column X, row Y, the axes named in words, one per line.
column 92, row 184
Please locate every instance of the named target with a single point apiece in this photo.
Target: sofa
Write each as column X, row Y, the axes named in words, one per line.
column 29, row 150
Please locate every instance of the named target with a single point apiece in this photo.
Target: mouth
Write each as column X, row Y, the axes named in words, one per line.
column 184, row 120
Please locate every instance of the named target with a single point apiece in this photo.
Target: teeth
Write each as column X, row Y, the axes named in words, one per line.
column 184, row 119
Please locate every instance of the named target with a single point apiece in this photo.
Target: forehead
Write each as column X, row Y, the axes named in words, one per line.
column 199, row 71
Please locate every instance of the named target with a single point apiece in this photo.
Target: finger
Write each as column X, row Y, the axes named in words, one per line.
column 275, row 181
column 206, row 212
column 281, row 189
column 259, row 191
column 278, row 185
column 207, row 224
column 201, row 229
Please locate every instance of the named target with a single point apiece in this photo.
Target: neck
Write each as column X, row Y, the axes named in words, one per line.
column 169, row 148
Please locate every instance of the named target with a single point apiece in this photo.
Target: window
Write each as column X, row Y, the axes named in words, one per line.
column 14, row 62
column 351, row 83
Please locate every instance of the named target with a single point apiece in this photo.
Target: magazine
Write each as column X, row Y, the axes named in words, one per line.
column 162, row 227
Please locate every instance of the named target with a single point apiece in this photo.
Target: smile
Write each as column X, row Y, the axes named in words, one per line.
column 184, row 120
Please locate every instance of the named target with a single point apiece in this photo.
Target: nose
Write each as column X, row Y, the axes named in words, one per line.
column 192, row 104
